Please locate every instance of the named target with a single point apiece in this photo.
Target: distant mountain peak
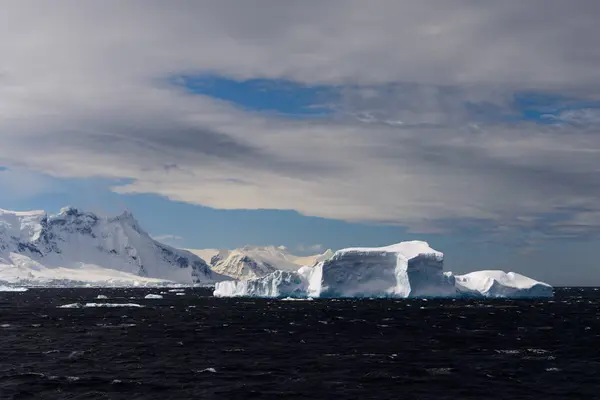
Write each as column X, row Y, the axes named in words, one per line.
column 50, row 245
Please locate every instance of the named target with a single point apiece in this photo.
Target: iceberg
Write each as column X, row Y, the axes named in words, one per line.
column 492, row 283
column 276, row 284
column 404, row 270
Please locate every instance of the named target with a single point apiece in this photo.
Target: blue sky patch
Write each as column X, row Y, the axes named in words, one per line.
column 541, row 108
column 264, row 95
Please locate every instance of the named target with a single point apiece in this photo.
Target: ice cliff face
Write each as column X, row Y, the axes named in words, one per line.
column 407, row 269
column 401, row 270
column 276, row 284
column 80, row 246
column 251, row 262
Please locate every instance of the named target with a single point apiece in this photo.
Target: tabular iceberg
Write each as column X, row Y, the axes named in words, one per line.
column 406, row 269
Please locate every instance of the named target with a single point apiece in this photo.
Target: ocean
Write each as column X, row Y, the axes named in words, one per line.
column 195, row 346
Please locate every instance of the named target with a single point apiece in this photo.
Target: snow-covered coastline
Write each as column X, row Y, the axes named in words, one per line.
column 77, row 248
column 74, row 248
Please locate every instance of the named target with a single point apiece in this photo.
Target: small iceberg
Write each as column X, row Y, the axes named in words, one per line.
column 12, row 289
column 153, row 296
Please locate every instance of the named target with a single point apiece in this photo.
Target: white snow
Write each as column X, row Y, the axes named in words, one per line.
column 492, row 283
column 93, row 305
column 407, row 269
column 75, row 248
column 153, row 296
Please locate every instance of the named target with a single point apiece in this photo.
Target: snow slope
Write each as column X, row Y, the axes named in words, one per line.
column 75, row 247
column 407, row 269
column 252, row 262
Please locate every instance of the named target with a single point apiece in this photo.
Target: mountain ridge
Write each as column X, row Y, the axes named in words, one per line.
column 36, row 245
column 251, row 262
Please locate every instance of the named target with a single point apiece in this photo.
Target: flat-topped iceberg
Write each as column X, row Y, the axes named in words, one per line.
column 407, row 269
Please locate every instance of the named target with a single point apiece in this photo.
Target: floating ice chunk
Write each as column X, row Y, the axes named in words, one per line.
column 101, row 297
column 176, row 290
column 492, row 283
column 180, row 294
column 12, row 289
column 92, row 305
column 296, row 299
column 211, row 370
column 153, row 296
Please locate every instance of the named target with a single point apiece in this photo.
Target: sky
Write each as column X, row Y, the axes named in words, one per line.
column 315, row 124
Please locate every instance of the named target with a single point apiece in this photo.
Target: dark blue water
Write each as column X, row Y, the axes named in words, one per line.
column 197, row 346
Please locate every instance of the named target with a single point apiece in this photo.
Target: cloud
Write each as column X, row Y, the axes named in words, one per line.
column 421, row 133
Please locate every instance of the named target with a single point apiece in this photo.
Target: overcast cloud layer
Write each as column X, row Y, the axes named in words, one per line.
column 85, row 92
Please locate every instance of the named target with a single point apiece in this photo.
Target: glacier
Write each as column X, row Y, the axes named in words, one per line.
column 77, row 248
column 403, row 270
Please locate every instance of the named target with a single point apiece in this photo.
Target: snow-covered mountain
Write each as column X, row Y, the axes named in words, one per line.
column 74, row 247
column 251, row 262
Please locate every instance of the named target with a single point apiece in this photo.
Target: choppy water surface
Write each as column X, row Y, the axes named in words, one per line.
column 197, row 346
